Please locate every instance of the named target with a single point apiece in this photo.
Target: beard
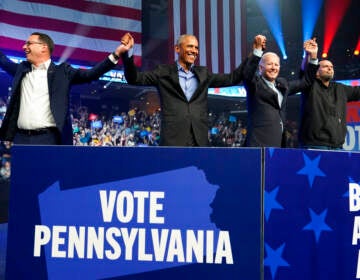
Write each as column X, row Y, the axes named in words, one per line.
column 327, row 77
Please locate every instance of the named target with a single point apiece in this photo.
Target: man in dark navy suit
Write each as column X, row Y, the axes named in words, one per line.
column 38, row 111
column 267, row 93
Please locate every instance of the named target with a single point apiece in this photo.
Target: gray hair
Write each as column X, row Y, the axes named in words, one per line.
column 182, row 37
column 265, row 55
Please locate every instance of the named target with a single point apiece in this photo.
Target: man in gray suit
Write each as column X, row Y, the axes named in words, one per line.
column 183, row 89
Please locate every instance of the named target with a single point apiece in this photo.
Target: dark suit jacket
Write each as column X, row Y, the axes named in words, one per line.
column 60, row 78
column 265, row 115
column 179, row 115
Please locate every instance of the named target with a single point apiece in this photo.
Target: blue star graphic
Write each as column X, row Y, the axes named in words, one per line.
column 317, row 223
column 271, row 203
column 311, row 169
column 274, row 259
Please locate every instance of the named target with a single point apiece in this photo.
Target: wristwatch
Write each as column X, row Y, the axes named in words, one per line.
column 116, row 56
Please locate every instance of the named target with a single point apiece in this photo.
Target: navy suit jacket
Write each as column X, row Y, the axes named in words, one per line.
column 180, row 116
column 60, row 78
column 266, row 117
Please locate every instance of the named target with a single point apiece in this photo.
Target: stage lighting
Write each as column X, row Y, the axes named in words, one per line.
column 310, row 16
column 334, row 14
column 271, row 11
column 356, row 52
column 324, row 55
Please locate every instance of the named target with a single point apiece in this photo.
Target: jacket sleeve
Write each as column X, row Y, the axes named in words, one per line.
column 352, row 92
column 7, row 65
column 79, row 76
column 305, row 81
column 251, row 65
column 230, row 79
column 134, row 77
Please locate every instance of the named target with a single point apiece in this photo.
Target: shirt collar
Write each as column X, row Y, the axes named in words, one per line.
column 42, row 66
column 179, row 67
column 270, row 84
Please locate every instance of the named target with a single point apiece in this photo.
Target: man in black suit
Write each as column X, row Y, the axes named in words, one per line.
column 267, row 93
column 183, row 89
column 38, row 111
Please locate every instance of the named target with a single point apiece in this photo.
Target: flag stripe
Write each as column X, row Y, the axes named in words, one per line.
column 63, row 26
column 220, row 41
column 82, row 30
column 81, row 54
column 43, row 11
column 201, row 32
column 207, row 34
column 214, row 36
column 134, row 4
column 183, row 22
column 232, row 36
column 92, row 7
column 217, row 25
column 63, row 41
column 172, row 36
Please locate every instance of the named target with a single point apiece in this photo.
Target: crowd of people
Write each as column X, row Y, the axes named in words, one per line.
column 137, row 128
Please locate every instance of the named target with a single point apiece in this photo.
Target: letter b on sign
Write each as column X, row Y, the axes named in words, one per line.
column 354, row 197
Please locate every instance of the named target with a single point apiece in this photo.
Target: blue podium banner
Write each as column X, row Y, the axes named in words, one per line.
column 312, row 227
column 135, row 213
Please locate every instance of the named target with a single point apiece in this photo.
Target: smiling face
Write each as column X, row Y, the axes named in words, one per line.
column 187, row 49
column 35, row 50
column 269, row 66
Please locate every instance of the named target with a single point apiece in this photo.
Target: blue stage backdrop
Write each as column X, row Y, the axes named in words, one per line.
column 135, row 213
column 312, row 230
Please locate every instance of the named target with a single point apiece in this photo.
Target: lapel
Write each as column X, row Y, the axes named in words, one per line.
column 174, row 77
column 50, row 77
column 283, row 89
column 201, row 76
column 269, row 91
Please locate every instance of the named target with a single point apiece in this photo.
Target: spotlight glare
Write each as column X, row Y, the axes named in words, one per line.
column 324, row 55
column 285, row 57
column 356, row 52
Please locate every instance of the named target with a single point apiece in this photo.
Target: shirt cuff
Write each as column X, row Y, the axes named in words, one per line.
column 314, row 61
column 258, row 52
column 113, row 59
column 130, row 52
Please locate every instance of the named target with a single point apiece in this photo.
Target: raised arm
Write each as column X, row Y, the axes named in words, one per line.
column 252, row 63
column 309, row 68
column 127, row 43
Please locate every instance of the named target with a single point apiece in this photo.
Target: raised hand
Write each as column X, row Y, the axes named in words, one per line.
column 259, row 42
column 127, row 42
column 311, row 48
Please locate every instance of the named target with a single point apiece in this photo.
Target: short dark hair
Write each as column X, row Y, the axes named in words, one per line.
column 46, row 39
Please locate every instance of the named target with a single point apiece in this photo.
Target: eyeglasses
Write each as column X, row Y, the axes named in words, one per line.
column 28, row 43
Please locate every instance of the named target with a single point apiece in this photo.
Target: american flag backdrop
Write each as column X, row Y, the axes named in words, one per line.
column 83, row 30
column 218, row 26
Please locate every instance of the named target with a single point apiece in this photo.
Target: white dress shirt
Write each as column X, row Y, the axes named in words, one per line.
column 35, row 110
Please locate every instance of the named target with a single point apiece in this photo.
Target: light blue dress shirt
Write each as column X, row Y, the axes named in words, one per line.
column 188, row 81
